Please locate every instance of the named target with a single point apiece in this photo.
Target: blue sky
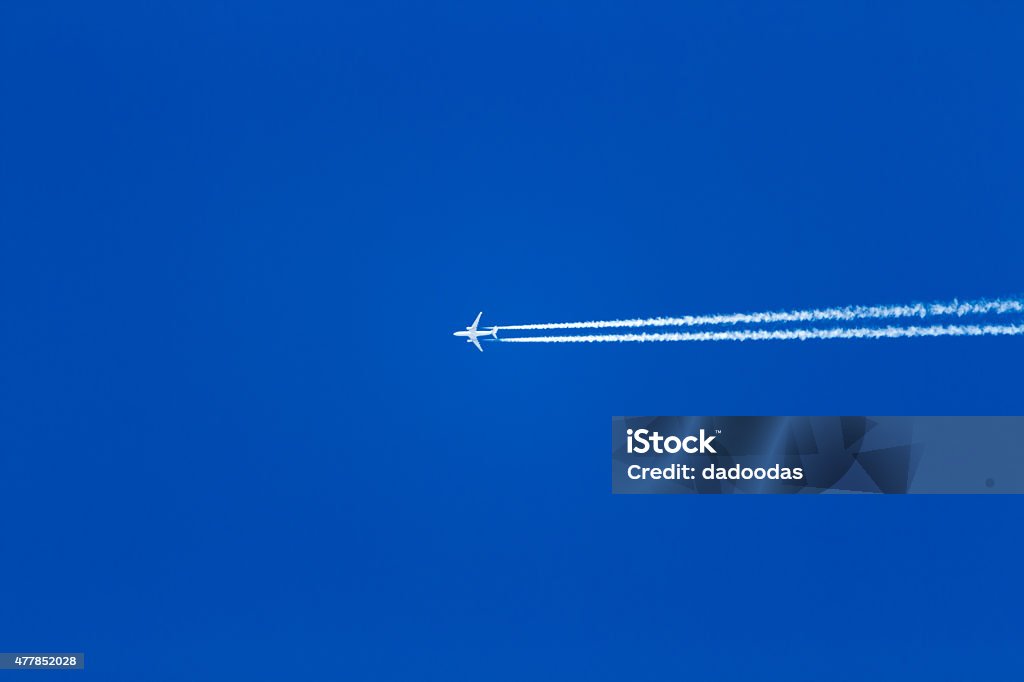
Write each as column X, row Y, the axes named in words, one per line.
column 236, row 238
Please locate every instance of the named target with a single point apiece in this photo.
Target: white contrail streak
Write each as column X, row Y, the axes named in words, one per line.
column 849, row 313
column 785, row 334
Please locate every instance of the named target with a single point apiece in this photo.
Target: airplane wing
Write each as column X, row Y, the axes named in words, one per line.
column 477, row 320
column 476, row 343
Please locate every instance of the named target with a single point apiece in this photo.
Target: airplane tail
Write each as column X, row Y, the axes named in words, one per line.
column 494, row 332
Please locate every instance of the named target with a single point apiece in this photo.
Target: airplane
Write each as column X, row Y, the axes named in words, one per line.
column 472, row 333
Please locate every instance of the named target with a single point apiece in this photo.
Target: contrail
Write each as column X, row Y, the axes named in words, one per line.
column 784, row 334
column 849, row 313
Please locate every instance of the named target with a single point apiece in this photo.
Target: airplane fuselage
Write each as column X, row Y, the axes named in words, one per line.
column 474, row 334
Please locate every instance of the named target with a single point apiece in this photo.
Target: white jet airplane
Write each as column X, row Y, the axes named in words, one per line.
column 472, row 333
